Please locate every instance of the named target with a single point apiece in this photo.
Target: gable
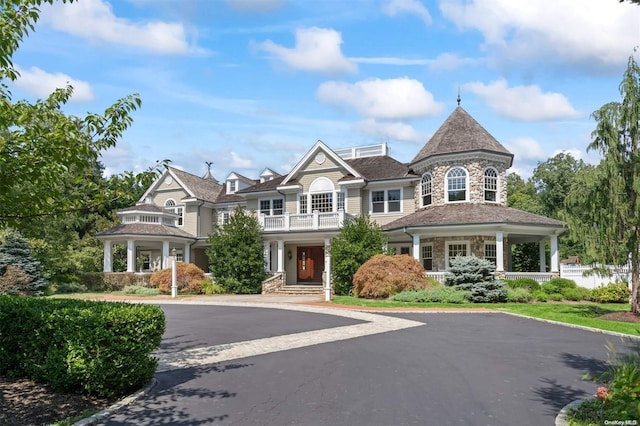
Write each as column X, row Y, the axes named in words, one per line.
column 320, row 159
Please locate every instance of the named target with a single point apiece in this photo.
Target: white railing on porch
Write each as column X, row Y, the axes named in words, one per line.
column 538, row 276
column 303, row 222
column 541, row 277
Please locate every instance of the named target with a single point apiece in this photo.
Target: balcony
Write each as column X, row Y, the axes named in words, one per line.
column 303, row 222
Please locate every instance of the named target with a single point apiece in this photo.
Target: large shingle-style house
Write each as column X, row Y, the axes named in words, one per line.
column 450, row 200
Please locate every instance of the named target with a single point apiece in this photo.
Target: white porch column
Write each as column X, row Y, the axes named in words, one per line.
column 327, row 269
column 165, row 255
column 107, row 264
column 280, row 256
column 186, row 253
column 266, row 253
column 555, row 256
column 499, row 251
column 542, row 247
column 416, row 247
column 131, row 256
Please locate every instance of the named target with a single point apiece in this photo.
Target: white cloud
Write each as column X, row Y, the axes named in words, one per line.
column 396, row 7
column 397, row 98
column 450, row 62
column 525, row 149
column 255, row 6
column 389, row 130
column 41, row 83
column 238, row 162
column 316, row 49
column 526, row 103
column 591, row 33
column 94, row 20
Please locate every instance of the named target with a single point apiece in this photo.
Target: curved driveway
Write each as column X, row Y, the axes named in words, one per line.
column 292, row 365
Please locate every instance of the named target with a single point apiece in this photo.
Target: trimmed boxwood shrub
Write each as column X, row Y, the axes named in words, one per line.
column 116, row 281
column 576, row 294
column 100, row 348
column 558, row 285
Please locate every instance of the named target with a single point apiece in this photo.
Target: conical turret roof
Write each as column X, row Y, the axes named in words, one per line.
column 460, row 133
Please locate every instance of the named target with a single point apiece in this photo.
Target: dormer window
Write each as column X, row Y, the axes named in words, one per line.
column 426, row 189
column 490, row 184
column 232, row 188
column 456, row 183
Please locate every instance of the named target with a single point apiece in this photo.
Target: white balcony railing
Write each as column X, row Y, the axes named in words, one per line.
column 303, row 222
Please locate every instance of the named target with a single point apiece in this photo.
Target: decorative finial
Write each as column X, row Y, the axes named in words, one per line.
column 209, row 164
column 459, row 96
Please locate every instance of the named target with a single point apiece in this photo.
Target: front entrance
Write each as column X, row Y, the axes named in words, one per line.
column 310, row 264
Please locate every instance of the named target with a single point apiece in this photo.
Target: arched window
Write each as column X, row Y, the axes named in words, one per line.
column 456, row 184
column 171, row 205
column 490, row 184
column 426, row 189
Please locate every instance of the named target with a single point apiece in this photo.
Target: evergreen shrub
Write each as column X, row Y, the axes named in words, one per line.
column 616, row 292
column 101, row 348
column 576, row 294
column 72, row 287
column 384, row 275
column 188, row 278
column 116, row 281
column 469, row 273
column 20, row 272
column 138, row 290
column 94, row 281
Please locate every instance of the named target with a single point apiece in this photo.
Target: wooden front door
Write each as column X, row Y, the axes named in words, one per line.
column 310, row 264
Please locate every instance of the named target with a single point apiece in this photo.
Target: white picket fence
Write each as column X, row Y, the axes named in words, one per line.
column 577, row 274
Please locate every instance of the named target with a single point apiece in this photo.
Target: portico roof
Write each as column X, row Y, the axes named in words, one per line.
column 471, row 214
column 145, row 229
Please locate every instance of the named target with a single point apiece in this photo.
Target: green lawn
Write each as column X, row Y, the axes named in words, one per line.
column 584, row 314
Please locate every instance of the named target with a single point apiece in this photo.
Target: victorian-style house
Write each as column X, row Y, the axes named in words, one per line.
column 450, row 200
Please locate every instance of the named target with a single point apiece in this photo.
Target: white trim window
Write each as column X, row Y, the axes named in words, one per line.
column 386, row 201
column 455, row 249
column 490, row 184
column 272, row 207
column 426, row 254
column 170, row 204
column 457, row 185
column 490, row 252
column 322, row 202
column 426, row 187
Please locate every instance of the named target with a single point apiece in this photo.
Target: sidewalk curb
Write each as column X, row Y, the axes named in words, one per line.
column 104, row 414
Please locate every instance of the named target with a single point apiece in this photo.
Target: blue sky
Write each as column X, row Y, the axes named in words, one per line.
column 250, row 84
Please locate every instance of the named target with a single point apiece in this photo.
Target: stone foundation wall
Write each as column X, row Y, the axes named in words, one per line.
column 273, row 284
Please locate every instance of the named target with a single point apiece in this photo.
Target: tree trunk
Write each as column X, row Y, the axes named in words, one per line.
column 635, row 283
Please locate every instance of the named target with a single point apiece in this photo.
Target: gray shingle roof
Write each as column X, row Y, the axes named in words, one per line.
column 471, row 214
column 460, row 133
column 154, row 229
column 379, row 167
column 202, row 188
column 269, row 185
column 145, row 207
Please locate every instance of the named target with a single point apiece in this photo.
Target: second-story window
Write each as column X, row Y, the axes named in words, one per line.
column 273, row 207
column 426, row 189
column 171, row 205
column 322, row 202
column 490, row 184
column 456, row 184
column 387, row 201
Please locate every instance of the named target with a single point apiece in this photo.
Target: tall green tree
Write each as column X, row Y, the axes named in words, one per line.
column 20, row 272
column 236, row 256
column 39, row 143
column 358, row 241
column 603, row 205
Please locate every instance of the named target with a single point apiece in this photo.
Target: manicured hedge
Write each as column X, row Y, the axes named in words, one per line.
column 101, row 348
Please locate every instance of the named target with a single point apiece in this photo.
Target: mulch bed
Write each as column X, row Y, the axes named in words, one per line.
column 23, row 402
column 621, row 316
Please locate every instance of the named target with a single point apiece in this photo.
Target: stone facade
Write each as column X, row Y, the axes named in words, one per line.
column 273, row 284
column 475, row 168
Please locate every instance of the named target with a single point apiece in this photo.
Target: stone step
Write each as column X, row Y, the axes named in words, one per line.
column 301, row 289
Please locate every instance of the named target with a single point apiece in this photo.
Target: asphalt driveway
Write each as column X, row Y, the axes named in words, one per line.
column 284, row 367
